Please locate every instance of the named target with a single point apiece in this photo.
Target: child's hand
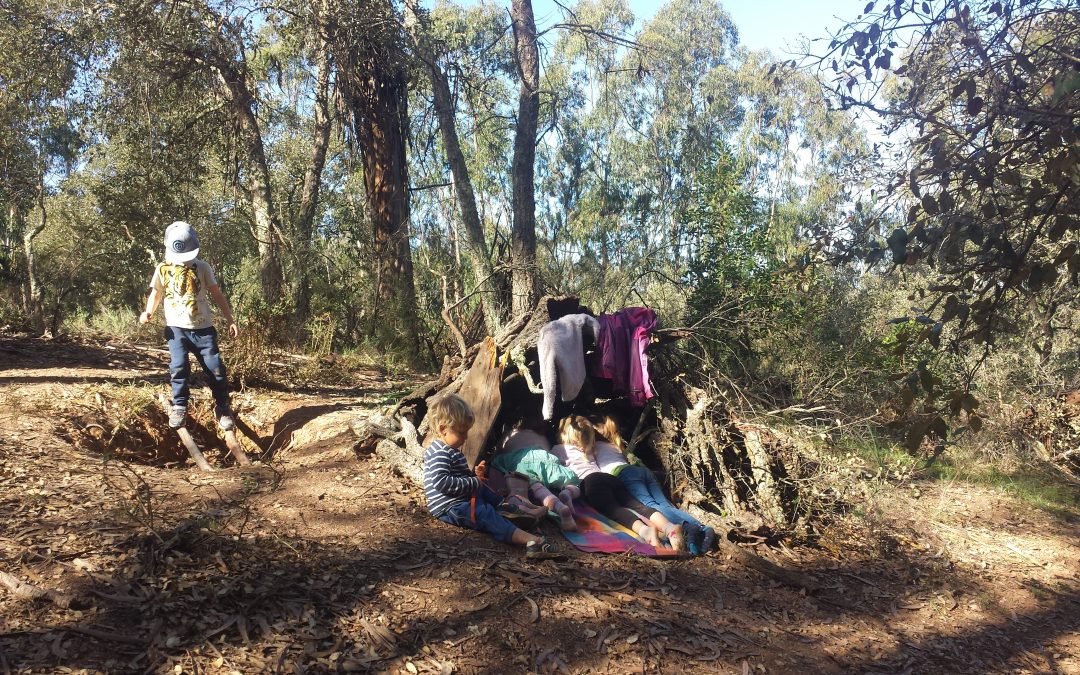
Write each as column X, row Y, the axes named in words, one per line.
column 481, row 470
column 234, row 330
column 144, row 317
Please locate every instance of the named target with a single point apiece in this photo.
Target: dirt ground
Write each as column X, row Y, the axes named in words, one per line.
column 321, row 560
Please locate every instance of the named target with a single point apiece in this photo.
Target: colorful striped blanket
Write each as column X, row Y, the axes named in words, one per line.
column 597, row 533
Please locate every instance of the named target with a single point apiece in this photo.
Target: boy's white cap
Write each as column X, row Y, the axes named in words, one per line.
column 181, row 243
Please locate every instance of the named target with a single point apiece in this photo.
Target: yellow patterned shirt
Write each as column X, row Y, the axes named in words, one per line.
column 183, row 288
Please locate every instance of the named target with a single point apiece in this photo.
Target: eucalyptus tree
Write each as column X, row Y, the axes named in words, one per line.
column 427, row 47
column 685, row 104
column 294, row 63
column 44, row 47
column 525, row 276
column 978, row 107
column 805, row 161
column 216, row 38
column 366, row 41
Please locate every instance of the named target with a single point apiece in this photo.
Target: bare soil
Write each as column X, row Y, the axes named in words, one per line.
column 321, row 560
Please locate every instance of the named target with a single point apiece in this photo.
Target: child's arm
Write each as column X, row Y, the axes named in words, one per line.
column 151, row 305
column 223, row 304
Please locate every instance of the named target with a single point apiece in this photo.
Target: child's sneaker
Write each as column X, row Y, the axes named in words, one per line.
column 540, row 550
column 225, row 419
column 708, row 540
column 177, row 415
column 693, row 533
column 516, row 515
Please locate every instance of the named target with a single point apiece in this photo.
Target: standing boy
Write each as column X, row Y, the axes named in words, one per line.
column 454, row 494
column 184, row 281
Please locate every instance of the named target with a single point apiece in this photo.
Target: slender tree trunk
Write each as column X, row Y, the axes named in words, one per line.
column 260, row 190
column 496, row 309
column 35, row 294
column 525, row 277
column 382, row 130
column 305, row 221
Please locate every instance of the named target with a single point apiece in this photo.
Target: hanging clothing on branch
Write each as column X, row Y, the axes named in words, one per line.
column 620, row 348
column 561, row 348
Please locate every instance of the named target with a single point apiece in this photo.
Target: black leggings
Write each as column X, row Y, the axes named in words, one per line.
column 606, row 494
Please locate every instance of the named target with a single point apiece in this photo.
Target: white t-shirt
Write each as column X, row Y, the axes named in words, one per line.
column 183, row 288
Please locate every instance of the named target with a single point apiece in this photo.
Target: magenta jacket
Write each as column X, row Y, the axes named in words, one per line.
column 621, row 345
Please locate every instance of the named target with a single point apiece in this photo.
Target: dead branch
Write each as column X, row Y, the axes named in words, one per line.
column 27, row 591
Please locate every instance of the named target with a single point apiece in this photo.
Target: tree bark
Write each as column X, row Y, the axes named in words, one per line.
column 381, row 125
column 309, row 199
column 525, row 277
column 260, row 190
column 35, row 294
column 495, row 310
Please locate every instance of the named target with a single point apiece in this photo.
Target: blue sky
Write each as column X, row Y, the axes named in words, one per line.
column 763, row 24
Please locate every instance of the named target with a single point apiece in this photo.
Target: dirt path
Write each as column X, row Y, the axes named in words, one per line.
column 321, row 560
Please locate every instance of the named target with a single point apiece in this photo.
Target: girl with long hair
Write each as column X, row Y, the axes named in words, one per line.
column 606, row 493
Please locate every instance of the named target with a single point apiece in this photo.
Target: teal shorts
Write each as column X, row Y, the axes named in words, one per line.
column 539, row 465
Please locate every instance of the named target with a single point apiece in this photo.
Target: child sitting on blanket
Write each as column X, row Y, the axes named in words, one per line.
column 455, row 495
column 606, row 493
column 531, row 469
column 640, row 482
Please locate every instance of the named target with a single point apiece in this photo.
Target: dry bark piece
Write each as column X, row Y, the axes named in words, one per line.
column 481, row 388
column 27, row 591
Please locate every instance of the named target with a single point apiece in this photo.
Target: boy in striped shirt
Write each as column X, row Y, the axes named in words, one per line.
column 456, row 495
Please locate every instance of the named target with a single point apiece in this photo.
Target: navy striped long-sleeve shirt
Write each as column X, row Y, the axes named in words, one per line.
column 447, row 478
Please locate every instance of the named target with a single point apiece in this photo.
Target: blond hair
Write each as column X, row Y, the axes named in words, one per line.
column 451, row 412
column 577, row 431
column 609, row 431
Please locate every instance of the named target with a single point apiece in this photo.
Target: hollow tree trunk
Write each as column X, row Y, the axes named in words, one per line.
column 525, row 277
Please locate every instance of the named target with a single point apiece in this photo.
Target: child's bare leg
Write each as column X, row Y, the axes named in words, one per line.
column 566, row 515
column 519, row 489
column 674, row 533
column 569, row 494
column 647, row 533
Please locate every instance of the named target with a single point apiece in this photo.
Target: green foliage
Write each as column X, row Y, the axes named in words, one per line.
column 982, row 108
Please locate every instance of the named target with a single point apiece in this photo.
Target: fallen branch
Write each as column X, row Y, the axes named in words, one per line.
column 766, row 567
column 27, row 591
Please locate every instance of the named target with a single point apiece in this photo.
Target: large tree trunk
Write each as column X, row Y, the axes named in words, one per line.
column 496, row 311
column 305, row 219
column 525, row 277
column 381, row 130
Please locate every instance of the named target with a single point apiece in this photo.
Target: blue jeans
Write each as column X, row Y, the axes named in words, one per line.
column 642, row 484
column 487, row 518
column 202, row 342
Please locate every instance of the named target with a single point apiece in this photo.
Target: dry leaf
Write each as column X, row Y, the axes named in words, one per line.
column 632, row 639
